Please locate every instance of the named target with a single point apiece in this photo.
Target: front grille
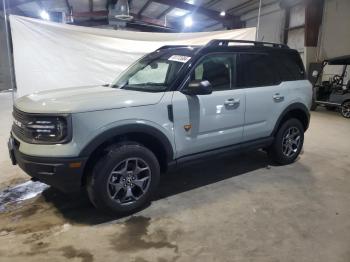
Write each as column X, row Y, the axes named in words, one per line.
column 20, row 121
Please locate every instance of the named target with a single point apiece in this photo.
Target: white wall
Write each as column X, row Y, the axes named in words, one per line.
column 335, row 32
column 271, row 23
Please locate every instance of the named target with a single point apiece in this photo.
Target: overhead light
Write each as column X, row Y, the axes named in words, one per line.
column 44, row 15
column 188, row 21
column 222, row 13
column 122, row 10
column 180, row 12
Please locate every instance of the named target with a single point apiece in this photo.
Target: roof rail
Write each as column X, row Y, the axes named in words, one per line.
column 174, row 46
column 225, row 42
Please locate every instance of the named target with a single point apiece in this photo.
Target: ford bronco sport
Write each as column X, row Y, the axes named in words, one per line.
column 176, row 104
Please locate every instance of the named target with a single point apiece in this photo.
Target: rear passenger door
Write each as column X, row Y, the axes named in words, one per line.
column 265, row 94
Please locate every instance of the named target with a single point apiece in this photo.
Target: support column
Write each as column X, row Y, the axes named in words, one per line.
column 313, row 21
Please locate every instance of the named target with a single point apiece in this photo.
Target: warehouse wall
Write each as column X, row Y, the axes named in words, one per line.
column 5, row 78
column 271, row 23
column 335, row 31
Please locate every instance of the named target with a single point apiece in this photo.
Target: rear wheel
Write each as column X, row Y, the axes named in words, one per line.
column 288, row 142
column 124, row 180
column 345, row 109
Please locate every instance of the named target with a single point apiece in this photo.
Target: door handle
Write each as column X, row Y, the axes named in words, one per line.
column 277, row 97
column 232, row 102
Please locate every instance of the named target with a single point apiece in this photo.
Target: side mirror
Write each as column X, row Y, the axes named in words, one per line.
column 198, row 87
column 315, row 73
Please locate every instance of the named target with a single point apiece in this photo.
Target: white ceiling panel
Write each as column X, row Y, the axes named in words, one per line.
column 154, row 10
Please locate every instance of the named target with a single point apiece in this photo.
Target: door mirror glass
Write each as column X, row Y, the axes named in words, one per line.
column 198, row 87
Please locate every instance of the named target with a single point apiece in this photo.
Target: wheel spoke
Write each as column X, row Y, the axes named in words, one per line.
column 129, row 195
column 140, row 182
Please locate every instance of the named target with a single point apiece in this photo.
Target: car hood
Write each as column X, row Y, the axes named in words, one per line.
column 83, row 99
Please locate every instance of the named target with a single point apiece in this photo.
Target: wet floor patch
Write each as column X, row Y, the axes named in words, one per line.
column 136, row 236
column 19, row 193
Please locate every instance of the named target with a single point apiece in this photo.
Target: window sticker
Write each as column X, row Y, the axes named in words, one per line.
column 179, row 58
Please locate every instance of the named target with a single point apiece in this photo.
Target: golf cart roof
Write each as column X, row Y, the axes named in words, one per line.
column 341, row 60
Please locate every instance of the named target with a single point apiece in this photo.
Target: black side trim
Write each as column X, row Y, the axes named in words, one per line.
column 295, row 106
column 237, row 148
column 170, row 113
column 127, row 129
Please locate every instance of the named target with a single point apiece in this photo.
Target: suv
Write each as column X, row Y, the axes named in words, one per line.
column 174, row 105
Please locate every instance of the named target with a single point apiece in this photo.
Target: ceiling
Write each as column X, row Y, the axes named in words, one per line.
column 157, row 14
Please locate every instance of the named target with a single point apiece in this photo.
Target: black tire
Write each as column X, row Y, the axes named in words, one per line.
column 345, row 109
column 99, row 187
column 276, row 150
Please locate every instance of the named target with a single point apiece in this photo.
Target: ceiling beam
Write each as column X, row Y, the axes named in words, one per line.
column 201, row 10
column 144, row 7
column 104, row 14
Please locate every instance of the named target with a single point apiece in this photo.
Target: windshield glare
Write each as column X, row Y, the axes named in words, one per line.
column 153, row 74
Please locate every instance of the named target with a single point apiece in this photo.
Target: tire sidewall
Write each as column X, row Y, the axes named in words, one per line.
column 97, row 187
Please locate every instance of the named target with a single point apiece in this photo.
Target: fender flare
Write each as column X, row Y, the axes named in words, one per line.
column 291, row 107
column 124, row 130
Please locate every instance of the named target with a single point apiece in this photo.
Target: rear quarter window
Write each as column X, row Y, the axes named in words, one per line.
column 290, row 66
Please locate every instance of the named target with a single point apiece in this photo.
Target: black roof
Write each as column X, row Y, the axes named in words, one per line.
column 340, row 60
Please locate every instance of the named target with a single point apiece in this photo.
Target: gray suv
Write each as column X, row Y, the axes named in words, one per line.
column 172, row 106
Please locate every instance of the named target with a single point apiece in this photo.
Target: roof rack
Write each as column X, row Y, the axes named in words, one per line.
column 174, row 46
column 225, row 42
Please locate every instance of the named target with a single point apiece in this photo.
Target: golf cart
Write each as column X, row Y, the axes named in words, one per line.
column 333, row 93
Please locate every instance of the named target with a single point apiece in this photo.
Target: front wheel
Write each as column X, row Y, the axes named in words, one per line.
column 124, row 180
column 345, row 109
column 288, row 142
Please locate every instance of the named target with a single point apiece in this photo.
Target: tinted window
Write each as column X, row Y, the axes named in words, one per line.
column 256, row 70
column 217, row 69
column 290, row 66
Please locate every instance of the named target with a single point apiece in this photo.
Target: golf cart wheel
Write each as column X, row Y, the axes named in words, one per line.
column 124, row 180
column 345, row 109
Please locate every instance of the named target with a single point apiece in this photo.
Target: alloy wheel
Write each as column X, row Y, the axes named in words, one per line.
column 129, row 180
column 291, row 142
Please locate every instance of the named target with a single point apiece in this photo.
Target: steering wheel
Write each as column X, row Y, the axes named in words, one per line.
column 337, row 79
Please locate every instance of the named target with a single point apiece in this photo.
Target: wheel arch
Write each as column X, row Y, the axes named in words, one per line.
column 152, row 138
column 295, row 110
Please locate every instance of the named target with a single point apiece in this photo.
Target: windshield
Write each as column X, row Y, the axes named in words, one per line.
column 153, row 73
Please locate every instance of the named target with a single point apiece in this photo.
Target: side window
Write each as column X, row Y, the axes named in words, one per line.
column 256, row 70
column 217, row 69
column 290, row 67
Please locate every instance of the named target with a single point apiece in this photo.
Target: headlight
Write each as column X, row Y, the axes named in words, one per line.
column 47, row 129
column 42, row 128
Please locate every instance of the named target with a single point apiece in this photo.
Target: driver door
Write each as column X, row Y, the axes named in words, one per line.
column 207, row 122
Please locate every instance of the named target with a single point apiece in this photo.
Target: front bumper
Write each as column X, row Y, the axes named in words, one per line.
column 64, row 174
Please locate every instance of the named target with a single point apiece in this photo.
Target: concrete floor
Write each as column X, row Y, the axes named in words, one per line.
column 232, row 209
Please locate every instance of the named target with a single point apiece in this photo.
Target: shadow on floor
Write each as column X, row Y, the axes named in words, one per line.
column 77, row 208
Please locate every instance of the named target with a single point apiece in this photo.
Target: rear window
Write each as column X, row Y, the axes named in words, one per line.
column 256, row 70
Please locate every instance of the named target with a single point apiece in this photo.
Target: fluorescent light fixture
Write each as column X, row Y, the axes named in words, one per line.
column 222, row 13
column 44, row 15
column 188, row 21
